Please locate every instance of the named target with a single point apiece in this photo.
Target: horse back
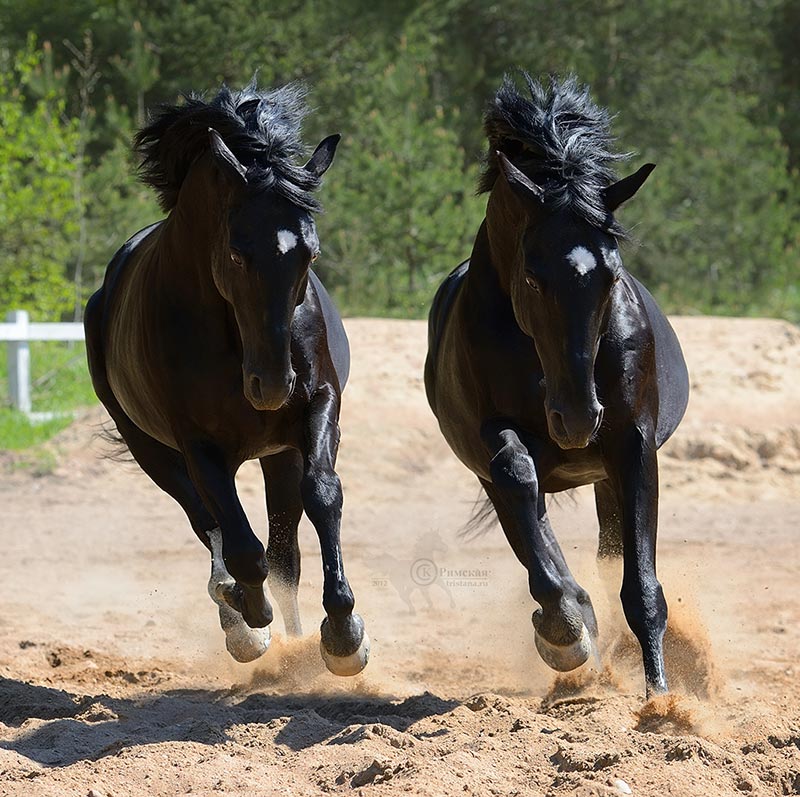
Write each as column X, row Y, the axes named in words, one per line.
column 671, row 372
column 337, row 338
column 122, row 258
column 440, row 309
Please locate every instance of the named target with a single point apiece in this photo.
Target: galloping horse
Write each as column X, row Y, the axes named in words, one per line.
column 211, row 342
column 550, row 366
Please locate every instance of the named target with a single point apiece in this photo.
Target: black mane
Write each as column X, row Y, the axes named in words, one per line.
column 262, row 128
column 560, row 139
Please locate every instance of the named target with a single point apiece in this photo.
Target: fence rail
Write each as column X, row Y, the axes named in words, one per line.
column 17, row 332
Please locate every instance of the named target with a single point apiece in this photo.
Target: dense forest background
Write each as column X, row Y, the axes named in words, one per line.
column 709, row 92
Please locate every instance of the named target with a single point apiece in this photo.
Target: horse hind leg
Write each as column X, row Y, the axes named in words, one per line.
column 282, row 475
column 609, row 549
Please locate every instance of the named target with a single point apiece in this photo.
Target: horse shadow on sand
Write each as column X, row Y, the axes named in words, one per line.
column 56, row 728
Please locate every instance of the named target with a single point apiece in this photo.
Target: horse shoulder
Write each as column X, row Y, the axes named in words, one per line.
column 672, row 375
column 336, row 337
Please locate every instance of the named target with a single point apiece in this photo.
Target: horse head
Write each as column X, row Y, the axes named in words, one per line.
column 561, row 272
column 262, row 266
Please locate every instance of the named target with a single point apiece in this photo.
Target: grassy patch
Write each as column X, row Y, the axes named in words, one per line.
column 60, row 383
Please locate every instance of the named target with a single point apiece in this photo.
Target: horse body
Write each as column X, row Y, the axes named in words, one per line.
column 211, row 342
column 491, row 368
column 551, row 367
column 178, row 374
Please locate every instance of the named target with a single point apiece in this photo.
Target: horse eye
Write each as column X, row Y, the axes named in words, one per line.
column 236, row 258
column 314, row 257
column 532, row 283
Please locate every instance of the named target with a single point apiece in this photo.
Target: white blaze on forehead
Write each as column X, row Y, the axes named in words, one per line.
column 287, row 240
column 583, row 260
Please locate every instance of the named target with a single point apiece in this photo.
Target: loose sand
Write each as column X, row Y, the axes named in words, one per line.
column 114, row 679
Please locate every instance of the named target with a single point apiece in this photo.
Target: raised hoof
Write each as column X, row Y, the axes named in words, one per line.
column 347, row 665
column 564, row 657
column 243, row 643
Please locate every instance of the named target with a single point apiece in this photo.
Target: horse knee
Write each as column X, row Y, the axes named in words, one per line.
column 513, row 469
column 322, row 493
column 247, row 565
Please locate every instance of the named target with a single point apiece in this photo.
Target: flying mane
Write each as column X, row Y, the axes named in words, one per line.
column 560, row 139
column 262, row 128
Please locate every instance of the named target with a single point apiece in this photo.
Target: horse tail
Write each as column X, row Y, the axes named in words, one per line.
column 482, row 520
column 484, row 516
column 116, row 449
column 562, row 499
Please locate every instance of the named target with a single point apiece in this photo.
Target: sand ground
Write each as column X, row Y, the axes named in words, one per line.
column 114, row 679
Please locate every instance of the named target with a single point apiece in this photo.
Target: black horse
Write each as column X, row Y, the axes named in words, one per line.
column 212, row 342
column 550, row 366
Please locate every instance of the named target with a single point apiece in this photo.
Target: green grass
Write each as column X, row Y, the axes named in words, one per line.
column 59, row 383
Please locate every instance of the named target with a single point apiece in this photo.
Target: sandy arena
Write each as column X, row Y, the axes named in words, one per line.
column 114, row 680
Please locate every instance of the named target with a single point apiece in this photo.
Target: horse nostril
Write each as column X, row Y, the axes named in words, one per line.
column 255, row 386
column 557, row 424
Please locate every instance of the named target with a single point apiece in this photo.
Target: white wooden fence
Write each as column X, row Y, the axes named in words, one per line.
column 17, row 332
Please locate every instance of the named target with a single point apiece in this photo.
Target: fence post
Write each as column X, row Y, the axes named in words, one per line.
column 19, row 363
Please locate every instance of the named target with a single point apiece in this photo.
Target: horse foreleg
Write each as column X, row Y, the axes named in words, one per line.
column 633, row 470
column 242, row 553
column 561, row 634
column 282, row 475
column 167, row 468
column 560, row 563
column 344, row 642
column 242, row 642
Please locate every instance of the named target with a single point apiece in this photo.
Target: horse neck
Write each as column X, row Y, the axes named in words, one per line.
column 193, row 234
column 496, row 250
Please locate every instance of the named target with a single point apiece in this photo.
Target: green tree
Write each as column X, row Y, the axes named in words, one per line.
column 117, row 204
column 400, row 207
column 38, row 219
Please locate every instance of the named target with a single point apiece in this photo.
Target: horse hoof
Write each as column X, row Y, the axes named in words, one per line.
column 564, row 657
column 351, row 664
column 245, row 644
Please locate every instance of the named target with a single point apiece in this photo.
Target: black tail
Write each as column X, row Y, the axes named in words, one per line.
column 116, row 448
column 483, row 518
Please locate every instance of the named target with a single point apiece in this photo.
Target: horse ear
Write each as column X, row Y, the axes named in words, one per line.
column 225, row 159
column 624, row 189
column 322, row 158
column 521, row 185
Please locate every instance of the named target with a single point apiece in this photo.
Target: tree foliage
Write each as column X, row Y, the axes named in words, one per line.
column 707, row 91
column 38, row 217
column 401, row 211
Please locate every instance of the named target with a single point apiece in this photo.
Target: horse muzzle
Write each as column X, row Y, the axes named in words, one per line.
column 571, row 429
column 268, row 391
